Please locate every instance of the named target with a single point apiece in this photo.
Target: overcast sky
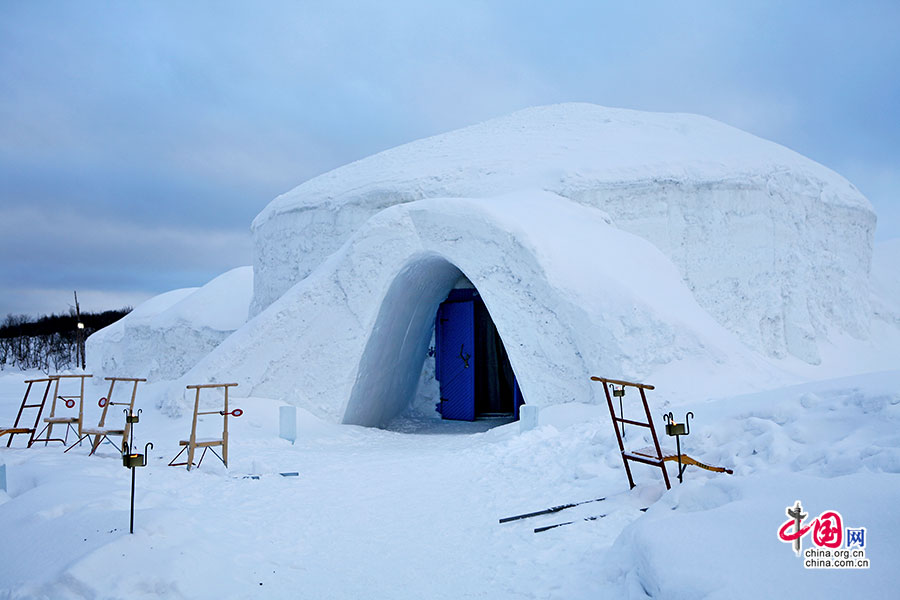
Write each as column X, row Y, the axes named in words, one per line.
column 139, row 139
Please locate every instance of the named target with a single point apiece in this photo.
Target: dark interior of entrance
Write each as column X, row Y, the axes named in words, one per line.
column 471, row 363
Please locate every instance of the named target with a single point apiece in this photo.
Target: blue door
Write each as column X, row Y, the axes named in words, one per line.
column 455, row 367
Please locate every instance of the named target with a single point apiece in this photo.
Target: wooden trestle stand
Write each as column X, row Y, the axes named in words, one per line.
column 191, row 444
column 102, row 431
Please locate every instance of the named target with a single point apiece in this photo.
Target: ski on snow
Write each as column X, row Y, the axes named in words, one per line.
column 594, row 518
column 256, row 476
column 548, row 511
column 546, row 527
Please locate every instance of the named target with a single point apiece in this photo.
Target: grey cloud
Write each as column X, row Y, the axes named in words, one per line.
column 167, row 117
column 108, row 255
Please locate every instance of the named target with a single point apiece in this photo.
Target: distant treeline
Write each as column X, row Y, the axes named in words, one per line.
column 49, row 343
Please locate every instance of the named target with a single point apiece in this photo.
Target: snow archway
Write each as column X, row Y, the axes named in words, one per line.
column 392, row 360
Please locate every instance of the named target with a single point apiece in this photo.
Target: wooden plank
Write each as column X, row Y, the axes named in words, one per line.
column 15, row 430
column 209, row 385
column 638, row 458
column 645, row 386
column 630, row 422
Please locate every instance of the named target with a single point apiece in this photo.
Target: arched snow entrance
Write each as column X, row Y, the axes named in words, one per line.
column 392, row 361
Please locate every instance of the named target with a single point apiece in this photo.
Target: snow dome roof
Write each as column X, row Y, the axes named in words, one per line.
column 730, row 209
column 555, row 148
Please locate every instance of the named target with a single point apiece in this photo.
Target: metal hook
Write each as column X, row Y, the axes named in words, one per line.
column 687, row 424
column 147, row 448
column 669, row 419
column 131, row 416
column 466, row 357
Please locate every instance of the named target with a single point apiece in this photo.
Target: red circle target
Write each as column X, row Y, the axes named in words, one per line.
column 70, row 403
column 103, row 402
column 237, row 412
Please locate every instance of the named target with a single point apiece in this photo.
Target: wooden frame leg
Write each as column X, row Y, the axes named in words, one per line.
column 190, row 458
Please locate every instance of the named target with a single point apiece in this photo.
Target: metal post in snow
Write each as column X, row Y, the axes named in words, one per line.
column 132, row 460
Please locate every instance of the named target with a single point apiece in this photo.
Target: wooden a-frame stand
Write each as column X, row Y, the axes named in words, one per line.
column 102, row 431
column 191, row 444
column 71, row 423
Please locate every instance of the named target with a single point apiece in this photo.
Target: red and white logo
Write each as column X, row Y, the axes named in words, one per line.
column 833, row 546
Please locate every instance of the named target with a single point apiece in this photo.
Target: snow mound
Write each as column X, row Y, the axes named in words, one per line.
column 831, row 444
column 775, row 246
column 571, row 296
column 166, row 335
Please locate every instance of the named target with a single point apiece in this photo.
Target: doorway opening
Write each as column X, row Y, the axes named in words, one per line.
column 471, row 364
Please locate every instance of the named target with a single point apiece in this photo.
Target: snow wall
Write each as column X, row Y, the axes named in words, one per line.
column 775, row 246
column 167, row 335
column 570, row 294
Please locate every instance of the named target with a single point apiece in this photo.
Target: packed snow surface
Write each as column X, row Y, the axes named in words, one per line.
column 382, row 514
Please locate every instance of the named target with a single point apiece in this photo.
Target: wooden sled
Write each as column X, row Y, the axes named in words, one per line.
column 71, row 423
column 193, row 442
column 103, row 431
column 18, row 428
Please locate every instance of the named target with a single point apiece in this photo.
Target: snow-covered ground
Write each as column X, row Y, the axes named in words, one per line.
column 383, row 514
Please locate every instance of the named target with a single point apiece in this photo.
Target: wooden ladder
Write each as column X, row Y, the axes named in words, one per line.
column 647, row 459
